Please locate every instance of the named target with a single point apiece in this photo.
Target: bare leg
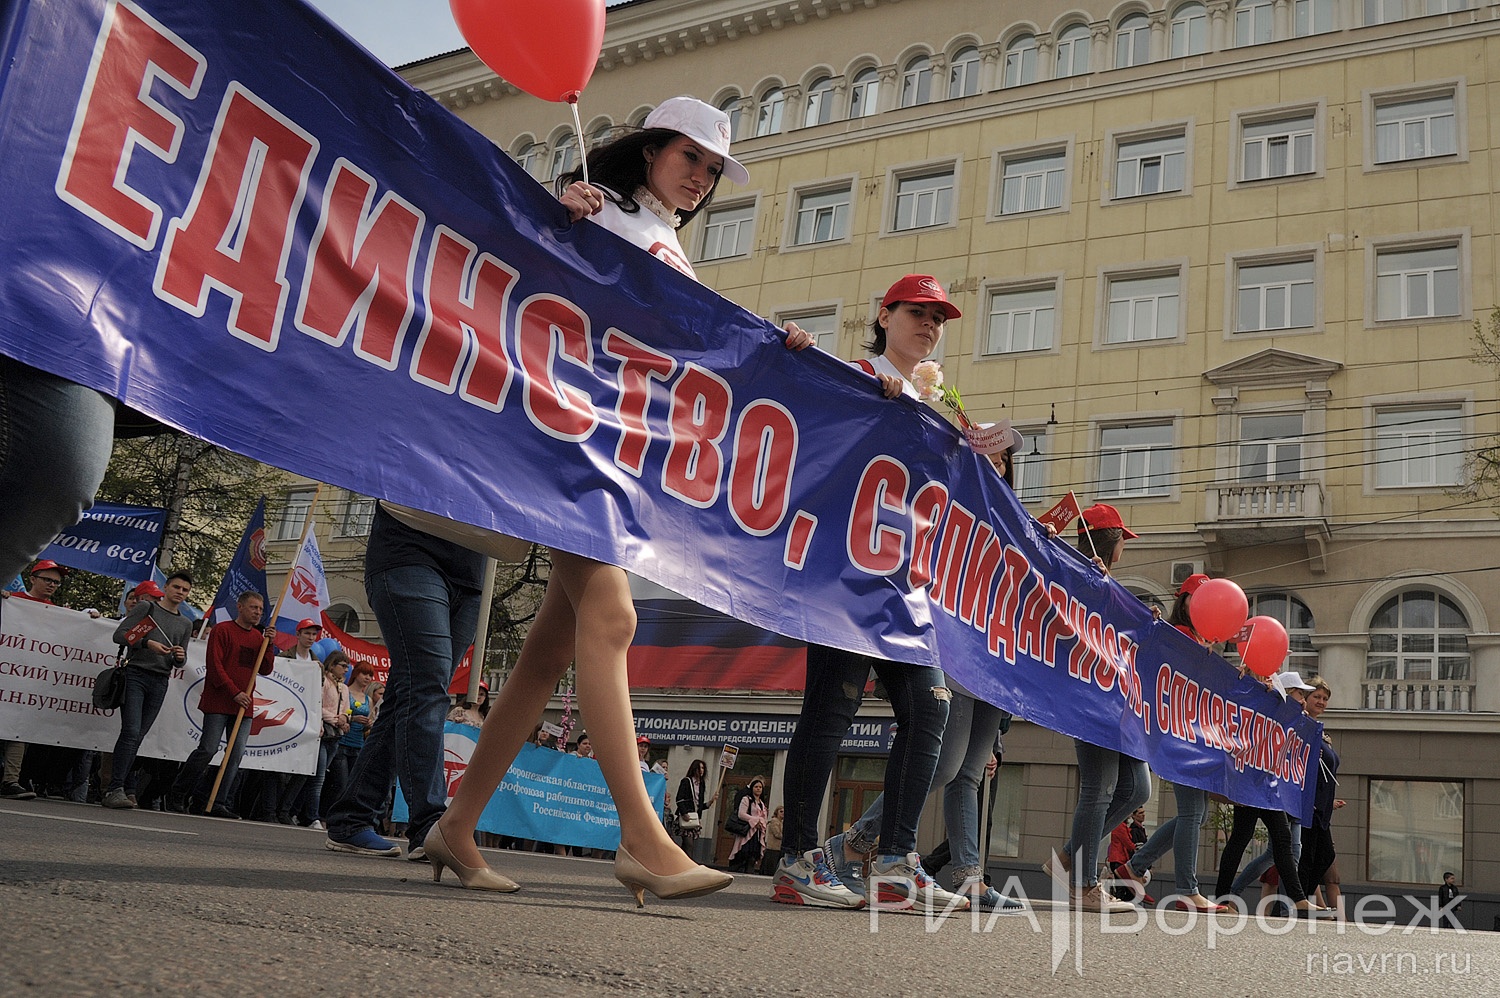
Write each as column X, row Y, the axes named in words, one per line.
column 543, row 660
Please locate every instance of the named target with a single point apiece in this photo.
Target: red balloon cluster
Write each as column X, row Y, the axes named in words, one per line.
column 1218, row 610
column 547, row 49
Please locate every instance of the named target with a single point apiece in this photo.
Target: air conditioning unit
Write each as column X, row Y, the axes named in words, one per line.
column 1182, row 569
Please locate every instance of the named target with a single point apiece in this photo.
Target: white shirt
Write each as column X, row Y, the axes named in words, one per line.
column 646, row 230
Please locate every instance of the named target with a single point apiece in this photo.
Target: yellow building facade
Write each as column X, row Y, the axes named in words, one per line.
column 1220, row 263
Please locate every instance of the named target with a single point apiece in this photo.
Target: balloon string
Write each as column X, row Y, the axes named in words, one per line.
column 583, row 154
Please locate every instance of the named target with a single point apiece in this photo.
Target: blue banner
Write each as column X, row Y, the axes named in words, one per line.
column 756, row 732
column 247, row 569
column 209, row 209
column 112, row 539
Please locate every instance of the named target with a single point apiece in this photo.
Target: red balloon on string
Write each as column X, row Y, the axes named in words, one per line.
column 547, row 49
column 1218, row 609
column 1266, row 648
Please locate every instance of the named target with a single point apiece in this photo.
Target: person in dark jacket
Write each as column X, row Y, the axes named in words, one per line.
column 1317, row 838
column 693, row 799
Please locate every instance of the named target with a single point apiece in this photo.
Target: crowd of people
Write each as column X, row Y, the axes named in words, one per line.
column 423, row 578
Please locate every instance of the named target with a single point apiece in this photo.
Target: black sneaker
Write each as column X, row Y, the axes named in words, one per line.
column 220, row 811
column 176, row 803
column 14, row 791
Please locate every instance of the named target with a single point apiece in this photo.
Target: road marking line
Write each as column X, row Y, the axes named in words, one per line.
column 90, row 821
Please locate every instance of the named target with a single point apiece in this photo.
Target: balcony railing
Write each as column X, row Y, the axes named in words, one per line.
column 1296, row 499
column 1418, row 694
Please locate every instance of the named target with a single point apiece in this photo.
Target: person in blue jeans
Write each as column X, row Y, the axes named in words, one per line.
column 424, row 590
column 1289, row 685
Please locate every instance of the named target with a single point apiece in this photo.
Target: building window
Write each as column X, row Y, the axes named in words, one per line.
column 1384, row 11
column 1021, row 320
column 1421, row 128
column 1008, row 816
column 1272, row 296
column 1020, row 61
column 294, row 514
column 1419, row 283
column 732, row 106
column 530, row 157
column 819, row 102
column 359, row 514
column 345, row 618
column 1189, row 30
column 822, row 324
column 916, row 82
column 963, row 73
column 727, row 231
column 1420, row 635
column 1151, row 165
column 1419, row 447
column 923, row 200
column 769, row 112
column 1446, row 6
column 1294, row 615
column 822, row 216
column 1143, row 308
column 1133, row 42
column 1416, row 830
column 1312, row 17
column 1073, row 51
column 1280, row 147
column 864, row 94
column 564, row 157
column 600, row 135
column 1029, row 465
column 1271, row 448
column 1033, row 182
column 1135, row 460
column 1252, row 22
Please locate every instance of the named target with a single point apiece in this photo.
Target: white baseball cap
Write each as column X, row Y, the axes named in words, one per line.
column 704, row 124
column 1290, row 681
column 992, row 438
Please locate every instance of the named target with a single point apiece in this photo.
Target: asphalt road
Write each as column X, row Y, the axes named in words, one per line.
column 97, row 902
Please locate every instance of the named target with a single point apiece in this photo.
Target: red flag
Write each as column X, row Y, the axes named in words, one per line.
column 1065, row 512
column 139, row 631
column 1243, row 634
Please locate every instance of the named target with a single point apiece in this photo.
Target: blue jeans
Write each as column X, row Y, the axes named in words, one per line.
column 1260, row 864
column 55, row 440
column 1110, row 787
column 835, row 689
column 428, row 623
column 1181, row 836
column 313, row 811
column 215, row 730
column 968, row 743
column 144, row 694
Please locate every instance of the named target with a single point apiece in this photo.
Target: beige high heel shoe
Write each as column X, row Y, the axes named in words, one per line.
column 698, row 881
column 473, row 878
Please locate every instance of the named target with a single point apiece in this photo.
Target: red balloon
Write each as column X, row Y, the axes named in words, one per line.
column 1218, row 609
column 1266, row 647
column 547, row 49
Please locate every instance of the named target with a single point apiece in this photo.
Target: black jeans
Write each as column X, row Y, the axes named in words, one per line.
column 1280, row 832
column 1317, row 856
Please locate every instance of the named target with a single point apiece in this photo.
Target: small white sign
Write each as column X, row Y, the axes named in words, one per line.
column 728, row 756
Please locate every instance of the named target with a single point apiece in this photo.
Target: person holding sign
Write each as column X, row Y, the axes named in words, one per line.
column 645, row 185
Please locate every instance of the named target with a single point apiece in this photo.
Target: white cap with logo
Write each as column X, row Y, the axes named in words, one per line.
column 704, row 124
column 1290, row 681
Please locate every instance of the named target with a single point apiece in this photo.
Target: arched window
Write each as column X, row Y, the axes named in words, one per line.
column 564, row 157
column 601, row 135
column 731, row 106
column 345, row 618
column 1020, row 61
column 530, row 157
column 1073, row 51
column 1421, row 635
column 963, row 73
column 1252, row 22
column 820, row 102
column 1294, row 615
column 1189, row 30
column 1133, row 41
column 769, row 114
column 916, row 82
column 864, row 94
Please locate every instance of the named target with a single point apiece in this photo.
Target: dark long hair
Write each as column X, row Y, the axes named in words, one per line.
column 620, row 167
column 1179, row 616
column 1104, row 541
column 699, row 767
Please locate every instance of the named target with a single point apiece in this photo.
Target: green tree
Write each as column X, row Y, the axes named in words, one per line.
column 518, row 595
column 1484, row 465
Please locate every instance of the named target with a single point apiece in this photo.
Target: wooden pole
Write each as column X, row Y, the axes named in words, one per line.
column 265, row 640
column 482, row 631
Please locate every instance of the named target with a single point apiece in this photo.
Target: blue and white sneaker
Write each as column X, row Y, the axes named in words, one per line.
column 808, row 880
column 898, row 883
column 364, row 842
column 851, row 873
column 991, row 900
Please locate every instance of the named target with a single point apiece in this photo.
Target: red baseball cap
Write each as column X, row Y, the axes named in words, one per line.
column 149, row 588
column 643, row 740
column 921, row 288
column 1191, row 583
column 43, row 566
column 1102, row 516
column 307, row 622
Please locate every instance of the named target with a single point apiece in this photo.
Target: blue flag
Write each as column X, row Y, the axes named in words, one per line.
column 112, row 539
column 247, row 571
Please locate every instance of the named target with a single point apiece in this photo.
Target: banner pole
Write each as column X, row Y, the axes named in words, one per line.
column 482, row 631
column 265, row 640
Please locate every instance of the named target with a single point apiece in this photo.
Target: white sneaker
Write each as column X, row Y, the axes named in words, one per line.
column 1095, row 899
column 318, row 826
column 900, row 884
column 809, row 880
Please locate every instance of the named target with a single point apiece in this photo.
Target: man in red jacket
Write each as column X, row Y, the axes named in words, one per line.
column 233, row 649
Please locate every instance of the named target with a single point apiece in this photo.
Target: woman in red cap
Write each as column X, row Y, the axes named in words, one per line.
column 644, row 186
column 1111, row 785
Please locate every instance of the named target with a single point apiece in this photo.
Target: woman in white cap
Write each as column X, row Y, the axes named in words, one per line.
column 645, row 185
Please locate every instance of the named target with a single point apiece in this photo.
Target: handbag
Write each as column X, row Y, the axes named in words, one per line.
column 331, row 731
column 689, row 821
column 735, row 825
column 109, row 688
